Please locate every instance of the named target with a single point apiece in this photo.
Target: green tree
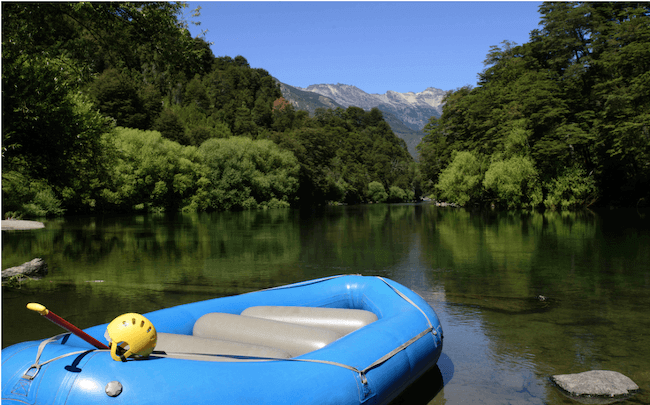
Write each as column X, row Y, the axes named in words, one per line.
column 170, row 126
column 51, row 54
column 571, row 97
column 50, row 132
column 71, row 71
column 342, row 150
column 315, row 150
column 196, row 94
column 119, row 98
column 433, row 153
column 101, row 35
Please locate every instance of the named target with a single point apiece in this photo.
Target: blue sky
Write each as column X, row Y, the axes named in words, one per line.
column 376, row 46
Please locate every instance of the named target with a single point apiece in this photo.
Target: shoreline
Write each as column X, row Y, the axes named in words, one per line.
column 20, row 225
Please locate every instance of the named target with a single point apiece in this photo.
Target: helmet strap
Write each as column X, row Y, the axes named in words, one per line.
column 120, row 351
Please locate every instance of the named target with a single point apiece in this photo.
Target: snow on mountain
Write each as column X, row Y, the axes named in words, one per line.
column 414, row 109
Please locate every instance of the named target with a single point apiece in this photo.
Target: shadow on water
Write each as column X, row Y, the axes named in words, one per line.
column 429, row 385
column 446, row 368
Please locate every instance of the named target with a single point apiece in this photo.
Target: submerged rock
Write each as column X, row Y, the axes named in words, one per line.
column 596, row 383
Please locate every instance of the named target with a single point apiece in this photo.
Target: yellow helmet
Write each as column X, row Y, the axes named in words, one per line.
column 130, row 334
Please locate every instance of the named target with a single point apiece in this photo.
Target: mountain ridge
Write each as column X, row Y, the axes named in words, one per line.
column 414, row 109
column 406, row 113
column 306, row 100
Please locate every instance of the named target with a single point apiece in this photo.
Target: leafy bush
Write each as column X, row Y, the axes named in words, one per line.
column 574, row 188
column 153, row 173
column 396, row 194
column 23, row 197
column 377, row 192
column 241, row 173
column 150, row 172
column 514, row 182
column 460, row 182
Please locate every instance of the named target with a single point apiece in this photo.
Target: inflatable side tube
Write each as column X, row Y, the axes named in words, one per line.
column 196, row 348
column 294, row 339
column 339, row 320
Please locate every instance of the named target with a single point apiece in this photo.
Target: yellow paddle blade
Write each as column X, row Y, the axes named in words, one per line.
column 38, row 308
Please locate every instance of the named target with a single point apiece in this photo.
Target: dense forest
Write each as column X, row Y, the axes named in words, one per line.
column 562, row 121
column 114, row 107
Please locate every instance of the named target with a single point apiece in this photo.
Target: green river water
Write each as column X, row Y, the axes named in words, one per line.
column 481, row 271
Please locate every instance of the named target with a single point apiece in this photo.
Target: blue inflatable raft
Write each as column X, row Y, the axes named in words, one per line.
column 293, row 344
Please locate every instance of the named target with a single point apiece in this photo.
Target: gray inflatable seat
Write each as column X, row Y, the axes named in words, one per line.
column 292, row 338
column 340, row 320
column 196, row 348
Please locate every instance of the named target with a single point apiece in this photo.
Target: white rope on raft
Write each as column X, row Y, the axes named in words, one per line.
column 37, row 366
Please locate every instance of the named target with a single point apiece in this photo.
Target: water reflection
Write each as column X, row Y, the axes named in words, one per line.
column 482, row 272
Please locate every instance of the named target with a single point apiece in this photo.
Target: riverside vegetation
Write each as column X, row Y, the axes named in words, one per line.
column 114, row 107
column 562, row 121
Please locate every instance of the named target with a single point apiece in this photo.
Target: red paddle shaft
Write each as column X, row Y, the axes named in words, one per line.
column 65, row 324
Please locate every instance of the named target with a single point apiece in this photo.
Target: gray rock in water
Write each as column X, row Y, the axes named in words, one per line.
column 36, row 267
column 601, row 383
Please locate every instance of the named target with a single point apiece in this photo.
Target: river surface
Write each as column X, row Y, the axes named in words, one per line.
column 482, row 272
